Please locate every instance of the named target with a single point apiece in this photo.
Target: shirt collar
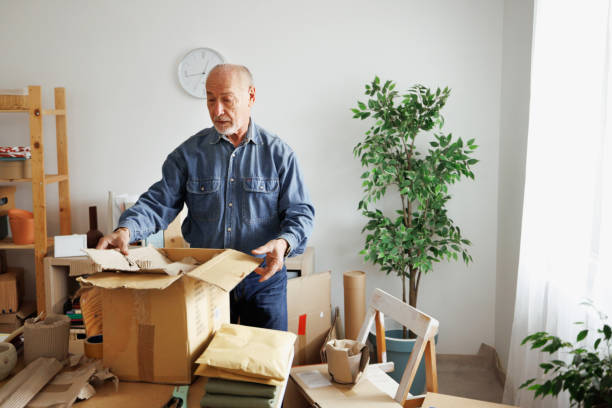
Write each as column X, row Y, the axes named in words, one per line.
column 252, row 134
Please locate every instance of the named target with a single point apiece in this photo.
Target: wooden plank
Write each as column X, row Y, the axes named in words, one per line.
column 39, row 202
column 431, row 368
column 49, row 178
column 417, row 321
column 410, row 371
column 367, row 323
column 381, row 343
column 414, row 402
column 62, row 163
column 54, row 111
column 9, row 244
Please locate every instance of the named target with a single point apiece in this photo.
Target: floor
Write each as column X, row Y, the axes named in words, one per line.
column 471, row 376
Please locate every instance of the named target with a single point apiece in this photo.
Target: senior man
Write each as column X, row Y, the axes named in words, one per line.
column 243, row 189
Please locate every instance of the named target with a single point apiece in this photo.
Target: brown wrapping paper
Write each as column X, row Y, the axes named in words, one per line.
column 354, row 302
column 46, row 338
column 346, row 360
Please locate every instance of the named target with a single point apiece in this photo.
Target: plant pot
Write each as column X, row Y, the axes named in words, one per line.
column 8, row 359
column 22, row 226
column 398, row 351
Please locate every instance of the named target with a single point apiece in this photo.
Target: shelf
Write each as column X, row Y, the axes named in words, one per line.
column 7, row 243
column 58, row 112
column 49, row 178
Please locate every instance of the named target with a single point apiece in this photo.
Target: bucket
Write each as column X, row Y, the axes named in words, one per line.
column 22, row 226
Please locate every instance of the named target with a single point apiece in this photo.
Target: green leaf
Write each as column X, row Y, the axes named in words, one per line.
column 526, row 383
column 361, row 105
column 596, row 344
column 607, row 331
column 582, row 335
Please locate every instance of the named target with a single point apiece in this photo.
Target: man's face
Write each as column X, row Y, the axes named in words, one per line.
column 229, row 99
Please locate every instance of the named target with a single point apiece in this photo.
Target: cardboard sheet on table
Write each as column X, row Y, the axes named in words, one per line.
column 367, row 393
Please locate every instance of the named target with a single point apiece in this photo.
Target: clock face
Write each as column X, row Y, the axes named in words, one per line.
column 194, row 68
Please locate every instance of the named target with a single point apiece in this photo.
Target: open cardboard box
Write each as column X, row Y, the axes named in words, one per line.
column 156, row 325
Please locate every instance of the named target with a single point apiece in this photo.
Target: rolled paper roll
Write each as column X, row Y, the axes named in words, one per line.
column 93, row 347
column 46, row 338
column 354, row 302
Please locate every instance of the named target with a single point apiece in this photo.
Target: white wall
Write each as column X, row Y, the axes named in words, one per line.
column 311, row 60
column 518, row 25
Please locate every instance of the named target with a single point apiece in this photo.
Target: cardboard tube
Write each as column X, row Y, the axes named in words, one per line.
column 354, row 302
column 46, row 338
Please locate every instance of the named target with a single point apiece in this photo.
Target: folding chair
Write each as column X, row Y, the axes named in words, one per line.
column 425, row 327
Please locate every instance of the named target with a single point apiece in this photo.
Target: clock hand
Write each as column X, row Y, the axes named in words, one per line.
column 199, row 73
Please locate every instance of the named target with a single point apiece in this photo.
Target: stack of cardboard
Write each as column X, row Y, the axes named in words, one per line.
column 246, row 366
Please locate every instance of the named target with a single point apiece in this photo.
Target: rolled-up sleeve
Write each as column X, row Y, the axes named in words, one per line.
column 160, row 204
column 295, row 208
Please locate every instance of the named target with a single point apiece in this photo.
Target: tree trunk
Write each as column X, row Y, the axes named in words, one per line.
column 404, row 330
column 412, row 299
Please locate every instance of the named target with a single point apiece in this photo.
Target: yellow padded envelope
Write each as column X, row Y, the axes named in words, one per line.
column 250, row 351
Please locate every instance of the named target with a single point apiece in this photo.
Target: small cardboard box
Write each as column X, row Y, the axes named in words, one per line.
column 309, row 314
column 156, row 325
column 15, row 168
column 11, row 290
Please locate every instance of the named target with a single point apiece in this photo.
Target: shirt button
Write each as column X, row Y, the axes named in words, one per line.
column 233, row 154
column 230, row 204
column 201, row 188
column 261, row 187
column 231, row 180
column 229, row 229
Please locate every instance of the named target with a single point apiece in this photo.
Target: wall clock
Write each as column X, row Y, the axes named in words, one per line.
column 194, row 68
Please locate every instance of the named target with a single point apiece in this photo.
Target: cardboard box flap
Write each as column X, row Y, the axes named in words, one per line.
column 144, row 260
column 227, row 269
column 116, row 280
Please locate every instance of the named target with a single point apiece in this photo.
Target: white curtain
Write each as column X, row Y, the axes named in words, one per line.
column 566, row 238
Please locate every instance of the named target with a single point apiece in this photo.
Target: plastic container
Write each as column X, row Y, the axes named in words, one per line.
column 22, row 226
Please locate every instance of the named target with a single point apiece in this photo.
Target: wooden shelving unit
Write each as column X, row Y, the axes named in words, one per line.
column 31, row 103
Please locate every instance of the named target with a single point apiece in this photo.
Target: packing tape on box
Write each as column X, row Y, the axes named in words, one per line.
column 93, row 347
column 46, row 338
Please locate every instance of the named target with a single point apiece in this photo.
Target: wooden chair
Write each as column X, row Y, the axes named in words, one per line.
column 424, row 326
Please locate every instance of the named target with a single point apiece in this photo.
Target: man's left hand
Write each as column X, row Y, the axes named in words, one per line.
column 275, row 256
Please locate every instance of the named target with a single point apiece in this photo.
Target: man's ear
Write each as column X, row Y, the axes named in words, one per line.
column 251, row 95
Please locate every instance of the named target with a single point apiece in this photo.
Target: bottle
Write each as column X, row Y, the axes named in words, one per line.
column 93, row 235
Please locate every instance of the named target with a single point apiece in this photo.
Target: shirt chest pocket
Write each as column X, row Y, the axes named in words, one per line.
column 204, row 199
column 260, row 199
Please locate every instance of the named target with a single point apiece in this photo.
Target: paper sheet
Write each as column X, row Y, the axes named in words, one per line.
column 313, row 379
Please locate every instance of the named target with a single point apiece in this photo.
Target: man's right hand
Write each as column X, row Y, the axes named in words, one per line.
column 120, row 238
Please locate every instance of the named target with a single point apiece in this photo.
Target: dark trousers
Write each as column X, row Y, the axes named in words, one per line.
column 261, row 304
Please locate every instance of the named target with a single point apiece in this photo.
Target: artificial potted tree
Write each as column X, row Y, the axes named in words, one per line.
column 407, row 156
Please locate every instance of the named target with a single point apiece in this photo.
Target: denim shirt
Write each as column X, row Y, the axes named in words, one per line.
column 237, row 198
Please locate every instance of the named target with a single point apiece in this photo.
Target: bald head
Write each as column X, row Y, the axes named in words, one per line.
column 230, row 94
column 233, row 71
